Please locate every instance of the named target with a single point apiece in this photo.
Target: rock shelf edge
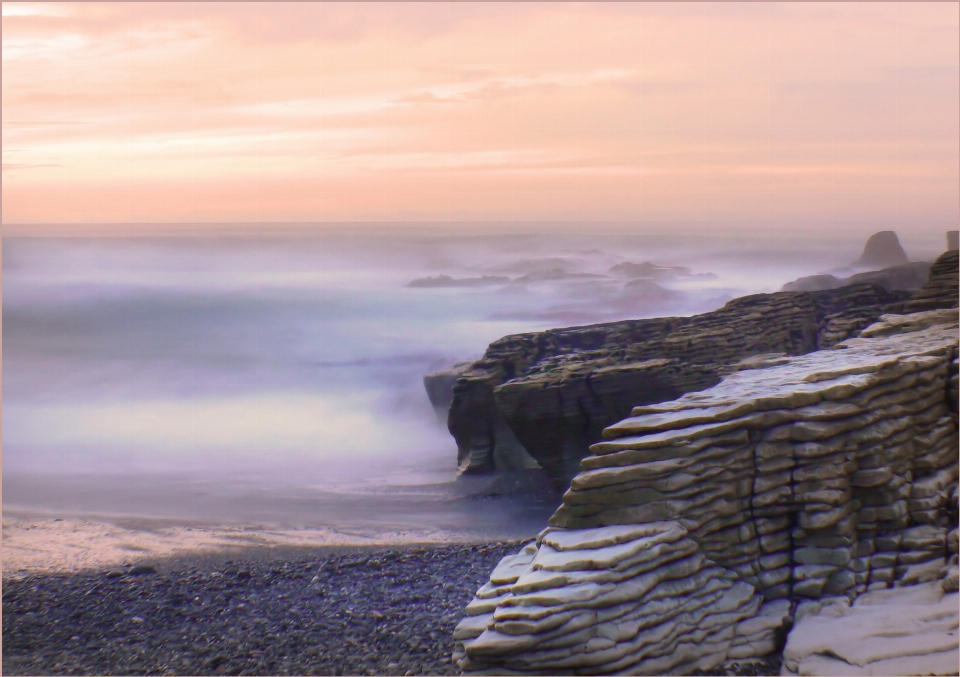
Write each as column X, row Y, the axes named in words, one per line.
column 701, row 529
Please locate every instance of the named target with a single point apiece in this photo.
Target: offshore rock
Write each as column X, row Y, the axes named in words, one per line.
column 652, row 271
column 551, row 393
column 882, row 250
column 648, row 290
column 697, row 525
column 447, row 281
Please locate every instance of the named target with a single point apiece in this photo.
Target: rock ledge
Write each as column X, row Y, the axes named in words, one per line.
column 696, row 526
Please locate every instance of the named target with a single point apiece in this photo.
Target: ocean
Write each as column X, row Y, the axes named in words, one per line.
column 276, row 374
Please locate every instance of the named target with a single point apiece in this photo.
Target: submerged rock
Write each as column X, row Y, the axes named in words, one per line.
column 553, row 274
column 447, row 281
column 652, row 271
column 648, row 290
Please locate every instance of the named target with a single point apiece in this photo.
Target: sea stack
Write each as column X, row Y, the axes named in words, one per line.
column 881, row 251
column 953, row 240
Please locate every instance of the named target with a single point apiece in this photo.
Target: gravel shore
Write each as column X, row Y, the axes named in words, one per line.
column 346, row 611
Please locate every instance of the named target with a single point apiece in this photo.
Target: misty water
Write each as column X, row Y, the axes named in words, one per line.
column 278, row 378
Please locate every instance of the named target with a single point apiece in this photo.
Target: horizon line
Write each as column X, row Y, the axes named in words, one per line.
column 779, row 229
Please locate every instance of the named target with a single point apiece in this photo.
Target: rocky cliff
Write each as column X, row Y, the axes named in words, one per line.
column 940, row 289
column 439, row 387
column 551, row 393
column 696, row 525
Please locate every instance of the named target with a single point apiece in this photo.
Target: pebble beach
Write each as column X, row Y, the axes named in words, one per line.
column 137, row 598
column 335, row 610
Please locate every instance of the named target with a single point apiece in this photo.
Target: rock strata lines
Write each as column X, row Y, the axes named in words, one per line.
column 909, row 630
column 552, row 393
column 696, row 525
column 940, row 290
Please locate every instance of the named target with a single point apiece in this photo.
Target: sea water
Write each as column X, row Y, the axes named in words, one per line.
column 245, row 375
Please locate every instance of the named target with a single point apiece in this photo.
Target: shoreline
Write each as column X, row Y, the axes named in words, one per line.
column 51, row 525
column 39, row 543
column 321, row 609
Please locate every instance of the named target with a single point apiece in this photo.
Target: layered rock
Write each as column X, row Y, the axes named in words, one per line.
column 508, row 455
column 940, row 290
column 823, row 455
column 553, row 392
column 439, row 387
column 635, row 599
column 901, row 631
column 696, row 524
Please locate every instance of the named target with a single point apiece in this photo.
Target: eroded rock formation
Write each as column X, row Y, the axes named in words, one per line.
column 882, row 250
column 909, row 630
column 439, row 387
column 940, row 289
column 696, row 524
column 551, row 393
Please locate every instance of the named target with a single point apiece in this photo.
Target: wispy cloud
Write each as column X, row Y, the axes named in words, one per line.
column 483, row 110
column 20, row 9
column 13, row 166
column 802, row 169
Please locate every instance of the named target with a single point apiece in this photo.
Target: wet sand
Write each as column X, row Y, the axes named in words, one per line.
column 62, row 524
column 267, row 583
column 34, row 543
column 122, row 594
column 256, row 601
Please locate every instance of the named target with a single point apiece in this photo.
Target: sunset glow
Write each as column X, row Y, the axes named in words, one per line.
column 166, row 112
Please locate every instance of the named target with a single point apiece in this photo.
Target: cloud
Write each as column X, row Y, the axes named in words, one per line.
column 492, row 88
column 12, row 166
column 276, row 23
column 23, row 9
column 479, row 108
column 43, row 124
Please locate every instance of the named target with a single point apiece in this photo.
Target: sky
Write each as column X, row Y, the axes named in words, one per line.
column 804, row 113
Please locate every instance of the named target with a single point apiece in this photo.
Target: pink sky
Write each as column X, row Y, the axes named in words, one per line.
column 754, row 112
